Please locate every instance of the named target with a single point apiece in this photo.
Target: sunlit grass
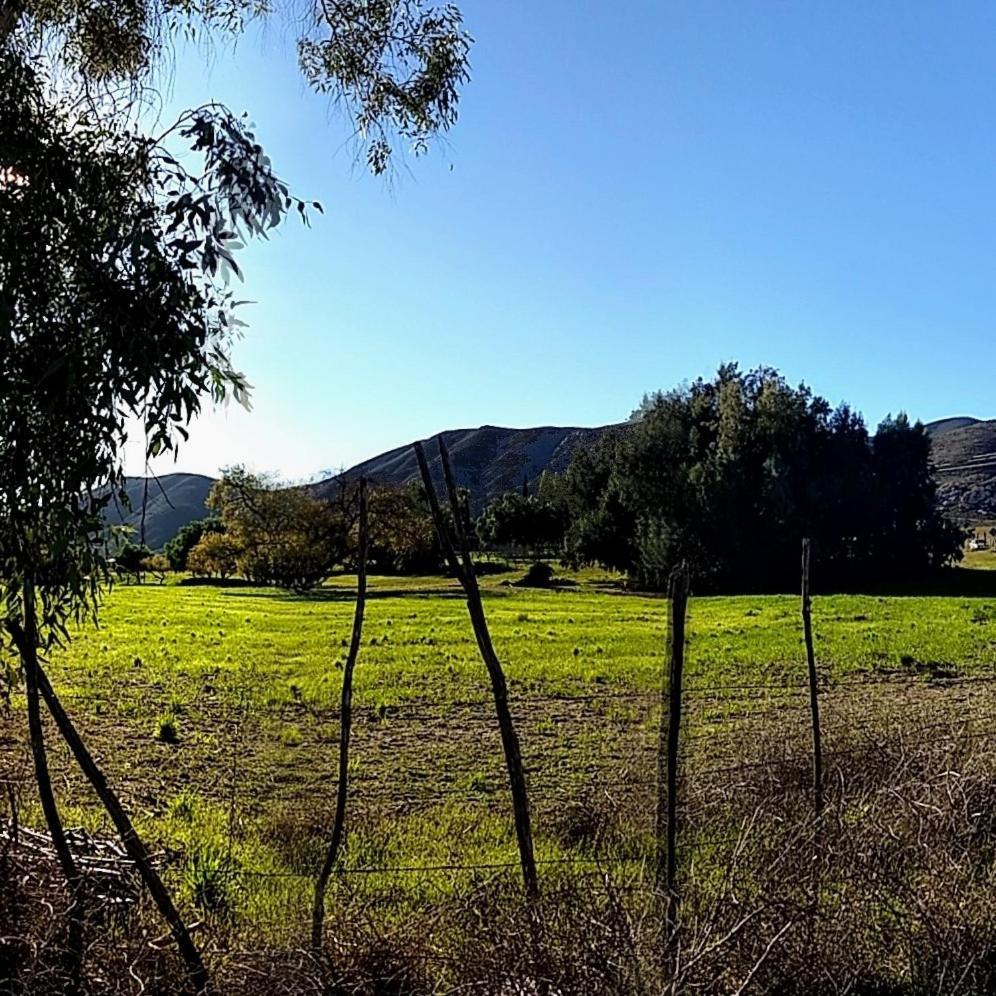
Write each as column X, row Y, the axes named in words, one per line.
column 248, row 680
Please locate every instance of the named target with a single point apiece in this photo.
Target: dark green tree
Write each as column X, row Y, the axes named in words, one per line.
column 526, row 522
column 729, row 475
column 130, row 557
column 186, row 538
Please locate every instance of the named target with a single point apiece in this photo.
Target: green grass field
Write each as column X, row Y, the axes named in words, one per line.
column 245, row 683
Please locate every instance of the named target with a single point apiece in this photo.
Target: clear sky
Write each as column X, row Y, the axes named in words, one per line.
column 634, row 193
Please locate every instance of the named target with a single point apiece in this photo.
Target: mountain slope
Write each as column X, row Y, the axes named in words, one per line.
column 945, row 425
column 487, row 461
column 170, row 501
column 964, row 452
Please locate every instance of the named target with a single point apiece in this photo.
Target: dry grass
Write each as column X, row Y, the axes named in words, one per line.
column 890, row 893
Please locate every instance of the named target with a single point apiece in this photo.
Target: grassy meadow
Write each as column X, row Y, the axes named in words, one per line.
column 214, row 711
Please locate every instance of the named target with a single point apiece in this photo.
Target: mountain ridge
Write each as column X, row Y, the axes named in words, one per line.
column 489, row 460
column 170, row 501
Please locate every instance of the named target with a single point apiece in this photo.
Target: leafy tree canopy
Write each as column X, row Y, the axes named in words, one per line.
column 395, row 67
column 186, row 538
column 215, row 554
column 116, row 245
column 529, row 522
column 402, row 536
column 283, row 535
column 730, row 474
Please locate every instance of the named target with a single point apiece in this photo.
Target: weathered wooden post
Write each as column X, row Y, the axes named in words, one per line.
column 133, row 844
column 669, row 744
column 464, row 571
column 345, row 728
column 814, row 701
column 25, row 638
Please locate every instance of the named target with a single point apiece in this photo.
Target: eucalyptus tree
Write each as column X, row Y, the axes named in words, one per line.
column 114, row 302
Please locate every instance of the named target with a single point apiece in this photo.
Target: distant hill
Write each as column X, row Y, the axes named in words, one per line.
column 945, row 425
column 170, row 501
column 487, row 461
column 964, row 451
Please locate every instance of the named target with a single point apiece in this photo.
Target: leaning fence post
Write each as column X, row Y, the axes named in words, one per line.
column 814, row 701
column 669, row 743
column 464, row 571
column 133, row 844
column 345, row 729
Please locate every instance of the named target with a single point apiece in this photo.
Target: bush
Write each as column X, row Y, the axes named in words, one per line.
column 131, row 556
column 539, row 575
column 156, row 565
column 179, row 547
column 167, row 731
column 215, row 555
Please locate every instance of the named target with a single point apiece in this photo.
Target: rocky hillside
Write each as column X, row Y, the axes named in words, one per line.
column 487, row 461
column 170, row 502
column 964, row 451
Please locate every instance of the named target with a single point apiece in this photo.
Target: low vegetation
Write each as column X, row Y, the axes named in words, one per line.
column 215, row 712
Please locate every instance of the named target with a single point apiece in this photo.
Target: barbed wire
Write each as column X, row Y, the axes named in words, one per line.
column 415, row 709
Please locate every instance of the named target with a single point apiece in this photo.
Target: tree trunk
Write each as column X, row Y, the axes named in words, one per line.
column 468, row 580
column 25, row 636
column 345, row 729
column 132, row 842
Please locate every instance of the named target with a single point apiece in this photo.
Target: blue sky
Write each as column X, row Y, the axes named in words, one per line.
column 634, row 193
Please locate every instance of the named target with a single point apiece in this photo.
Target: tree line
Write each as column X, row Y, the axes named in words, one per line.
column 289, row 537
column 725, row 475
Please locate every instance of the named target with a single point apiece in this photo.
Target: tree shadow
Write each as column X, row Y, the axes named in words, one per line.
column 951, row 582
column 218, row 583
column 341, row 595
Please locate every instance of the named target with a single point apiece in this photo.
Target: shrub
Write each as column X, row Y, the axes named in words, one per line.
column 215, row 555
column 539, row 575
column 167, row 730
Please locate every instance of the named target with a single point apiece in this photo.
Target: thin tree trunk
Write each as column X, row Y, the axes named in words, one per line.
column 669, row 744
column 468, row 580
column 25, row 636
column 345, row 729
column 132, row 842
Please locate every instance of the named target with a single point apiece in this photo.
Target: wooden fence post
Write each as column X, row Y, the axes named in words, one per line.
column 25, row 638
column 345, row 729
column 669, row 743
column 464, row 571
column 814, row 701
column 133, row 844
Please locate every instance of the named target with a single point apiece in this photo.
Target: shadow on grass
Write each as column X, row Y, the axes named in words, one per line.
column 952, row 582
column 340, row 594
column 218, row 583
